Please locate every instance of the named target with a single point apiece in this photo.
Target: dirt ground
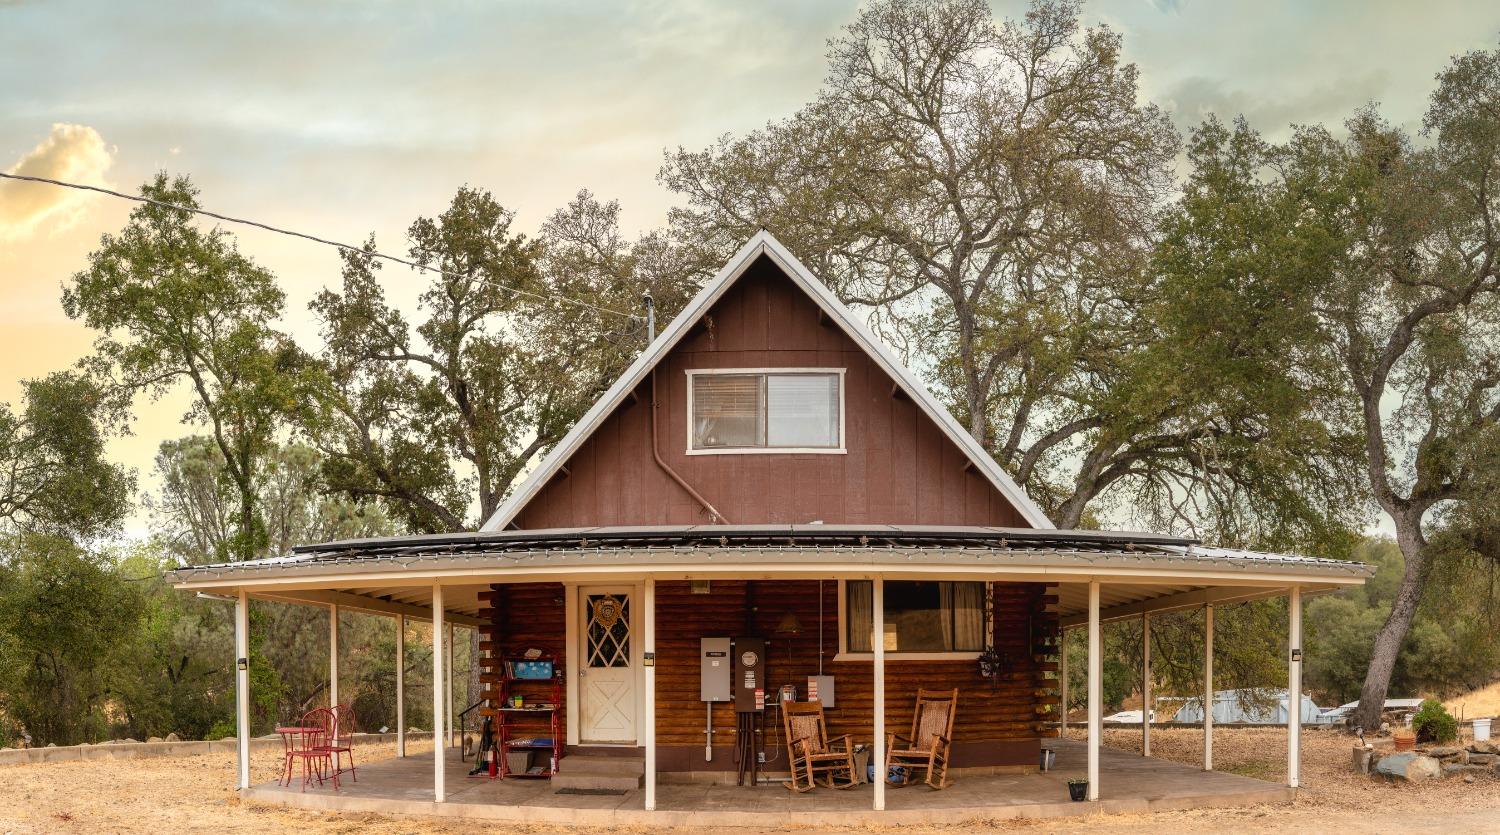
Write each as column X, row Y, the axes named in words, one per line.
column 194, row 794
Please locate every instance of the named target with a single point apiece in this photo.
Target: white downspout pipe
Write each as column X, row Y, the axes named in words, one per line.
column 1096, row 690
column 437, row 692
column 242, row 686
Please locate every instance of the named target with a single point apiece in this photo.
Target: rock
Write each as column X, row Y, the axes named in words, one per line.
column 1457, row 770
column 173, row 737
column 1408, row 766
column 155, row 739
column 124, row 741
column 54, row 744
column 413, row 730
column 1483, row 759
column 83, row 744
column 1469, row 778
column 1445, row 752
column 1484, row 746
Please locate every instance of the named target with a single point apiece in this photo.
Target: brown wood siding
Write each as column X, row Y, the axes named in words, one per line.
column 997, row 724
column 521, row 616
column 899, row 467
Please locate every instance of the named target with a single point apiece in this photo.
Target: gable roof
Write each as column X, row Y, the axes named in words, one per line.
column 764, row 243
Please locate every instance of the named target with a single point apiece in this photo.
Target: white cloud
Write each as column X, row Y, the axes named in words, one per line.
column 74, row 153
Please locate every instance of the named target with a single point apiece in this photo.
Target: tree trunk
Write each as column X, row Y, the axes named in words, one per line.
column 1393, row 633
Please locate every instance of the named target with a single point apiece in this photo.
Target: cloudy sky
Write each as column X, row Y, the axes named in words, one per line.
column 346, row 118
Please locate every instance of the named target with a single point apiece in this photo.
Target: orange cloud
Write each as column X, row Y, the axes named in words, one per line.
column 75, row 153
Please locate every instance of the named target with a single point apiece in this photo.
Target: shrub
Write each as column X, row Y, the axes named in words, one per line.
column 1433, row 723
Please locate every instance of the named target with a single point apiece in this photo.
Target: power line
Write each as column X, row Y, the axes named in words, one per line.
column 305, row 236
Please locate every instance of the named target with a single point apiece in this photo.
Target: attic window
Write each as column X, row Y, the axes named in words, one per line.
column 766, row 410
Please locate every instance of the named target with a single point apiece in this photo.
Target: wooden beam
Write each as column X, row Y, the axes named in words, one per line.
column 362, row 603
column 1176, row 602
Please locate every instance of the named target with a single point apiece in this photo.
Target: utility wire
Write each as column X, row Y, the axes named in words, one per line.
column 314, row 238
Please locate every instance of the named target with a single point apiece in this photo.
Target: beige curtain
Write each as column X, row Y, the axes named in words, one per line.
column 859, row 604
column 946, row 615
column 968, row 617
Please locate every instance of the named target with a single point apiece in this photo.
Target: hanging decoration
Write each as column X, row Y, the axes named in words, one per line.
column 607, row 611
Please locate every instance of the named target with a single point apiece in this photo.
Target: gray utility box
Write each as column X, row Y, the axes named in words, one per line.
column 713, row 675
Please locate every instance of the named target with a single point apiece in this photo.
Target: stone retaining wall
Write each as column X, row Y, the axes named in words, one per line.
column 132, row 750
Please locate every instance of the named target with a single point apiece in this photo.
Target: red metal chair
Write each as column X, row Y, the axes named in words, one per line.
column 341, row 740
column 310, row 743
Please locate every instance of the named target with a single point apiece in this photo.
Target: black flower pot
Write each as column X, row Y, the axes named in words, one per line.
column 1078, row 790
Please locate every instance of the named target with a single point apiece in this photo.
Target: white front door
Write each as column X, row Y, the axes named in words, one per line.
column 606, row 683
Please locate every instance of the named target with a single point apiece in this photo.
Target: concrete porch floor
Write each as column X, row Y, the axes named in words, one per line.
column 1128, row 783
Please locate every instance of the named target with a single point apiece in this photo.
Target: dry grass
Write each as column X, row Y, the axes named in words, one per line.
column 1482, row 702
column 193, row 794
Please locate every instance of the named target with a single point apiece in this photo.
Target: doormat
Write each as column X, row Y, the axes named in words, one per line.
column 595, row 792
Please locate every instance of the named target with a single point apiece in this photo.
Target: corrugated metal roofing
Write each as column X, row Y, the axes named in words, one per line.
column 766, row 545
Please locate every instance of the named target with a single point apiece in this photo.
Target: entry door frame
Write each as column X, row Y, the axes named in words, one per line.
column 574, row 612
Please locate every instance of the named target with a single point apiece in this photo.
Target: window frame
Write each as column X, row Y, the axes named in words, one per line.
column 839, row 373
column 844, row 654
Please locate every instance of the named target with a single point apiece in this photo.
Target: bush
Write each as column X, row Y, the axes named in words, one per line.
column 1433, row 723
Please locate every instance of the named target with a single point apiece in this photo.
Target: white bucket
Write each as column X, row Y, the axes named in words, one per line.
column 1481, row 730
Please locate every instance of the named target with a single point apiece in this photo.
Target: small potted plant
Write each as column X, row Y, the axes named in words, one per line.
column 1078, row 789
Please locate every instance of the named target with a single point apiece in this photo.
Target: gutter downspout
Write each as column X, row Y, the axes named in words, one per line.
column 714, row 514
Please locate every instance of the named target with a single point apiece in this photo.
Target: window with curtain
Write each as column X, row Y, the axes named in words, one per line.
column 920, row 616
column 797, row 410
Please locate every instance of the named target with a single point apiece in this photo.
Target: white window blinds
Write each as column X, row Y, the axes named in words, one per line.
column 766, row 410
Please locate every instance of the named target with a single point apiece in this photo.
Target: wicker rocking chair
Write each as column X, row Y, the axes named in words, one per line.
column 931, row 736
column 816, row 759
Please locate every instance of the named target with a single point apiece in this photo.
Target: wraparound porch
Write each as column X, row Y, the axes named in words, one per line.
column 1130, row 783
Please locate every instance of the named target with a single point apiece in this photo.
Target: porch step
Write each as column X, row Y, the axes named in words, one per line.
column 588, row 771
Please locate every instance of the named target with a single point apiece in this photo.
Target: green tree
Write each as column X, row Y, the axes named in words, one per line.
column 175, row 303
column 65, row 614
column 53, row 472
column 992, row 193
column 1407, row 241
column 437, row 422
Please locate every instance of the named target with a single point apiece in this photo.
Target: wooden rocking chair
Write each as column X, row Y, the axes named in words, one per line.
column 931, row 736
column 813, row 756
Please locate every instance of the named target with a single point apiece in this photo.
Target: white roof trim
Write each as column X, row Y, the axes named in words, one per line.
column 764, row 243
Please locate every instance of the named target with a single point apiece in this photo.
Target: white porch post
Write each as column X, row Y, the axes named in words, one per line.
column 1063, row 733
column 242, row 686
column 1145, row 684
column 448, row 695
column 437, row 691
column 1096, row 696
column 1208, row 687
column 401, row 685
column 877, row 643
column 1294, row 688
column 333, row 656
column 648, row 629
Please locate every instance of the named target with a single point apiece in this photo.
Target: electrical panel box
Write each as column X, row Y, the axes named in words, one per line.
column 715, row 666
column 749, row 674
column 820, row 689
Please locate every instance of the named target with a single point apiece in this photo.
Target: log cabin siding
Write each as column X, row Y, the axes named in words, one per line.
column 521, row 616
column 997, row 723
column 898, row 468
